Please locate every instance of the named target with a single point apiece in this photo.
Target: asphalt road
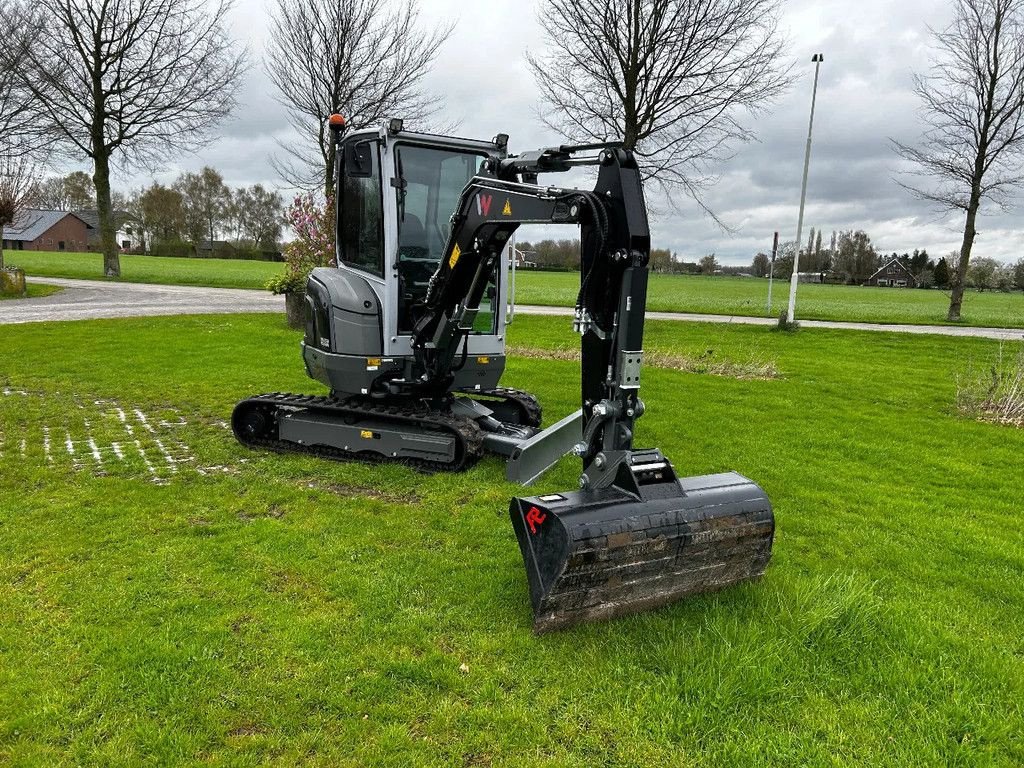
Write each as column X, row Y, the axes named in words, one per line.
column 91, row 299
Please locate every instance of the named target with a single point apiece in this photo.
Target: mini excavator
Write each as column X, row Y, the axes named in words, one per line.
column 408, row 332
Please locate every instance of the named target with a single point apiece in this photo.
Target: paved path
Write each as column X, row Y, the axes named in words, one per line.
column 89, row 299
column 1006, row 334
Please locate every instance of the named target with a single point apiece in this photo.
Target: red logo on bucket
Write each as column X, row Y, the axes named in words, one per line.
column 534, row 518
column 483, row 204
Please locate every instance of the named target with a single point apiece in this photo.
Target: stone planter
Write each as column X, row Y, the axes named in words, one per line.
column 12, row 282
column 295, row 309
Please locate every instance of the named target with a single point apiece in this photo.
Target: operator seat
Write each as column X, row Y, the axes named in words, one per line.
column 416, row 265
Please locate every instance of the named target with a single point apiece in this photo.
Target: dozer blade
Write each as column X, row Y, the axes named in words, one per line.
column 596, row 554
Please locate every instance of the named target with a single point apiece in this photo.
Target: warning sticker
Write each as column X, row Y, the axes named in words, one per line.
column 507, row 210
column 456, row 252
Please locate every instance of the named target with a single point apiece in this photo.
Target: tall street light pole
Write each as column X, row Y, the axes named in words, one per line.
column 816, row 60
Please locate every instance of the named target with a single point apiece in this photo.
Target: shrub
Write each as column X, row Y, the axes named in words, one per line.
column 172, row 248
column 996, row 394
column 313, row 246
column 785, row 325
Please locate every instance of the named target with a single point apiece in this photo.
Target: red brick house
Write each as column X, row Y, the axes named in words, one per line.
column 37, row 230
column 894, row 274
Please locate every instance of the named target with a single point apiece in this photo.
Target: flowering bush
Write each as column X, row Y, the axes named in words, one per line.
column 313, row 246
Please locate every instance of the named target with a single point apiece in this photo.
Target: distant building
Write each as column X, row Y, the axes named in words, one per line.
column 38, row 230
column 127, row 234
column 894, row 274
column 828, row 276
column 521, row 261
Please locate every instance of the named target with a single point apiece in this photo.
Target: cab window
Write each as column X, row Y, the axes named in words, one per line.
column 432, row 180
column 360, row 209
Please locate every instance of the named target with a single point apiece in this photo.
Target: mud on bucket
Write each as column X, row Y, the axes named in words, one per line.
column 592, row 555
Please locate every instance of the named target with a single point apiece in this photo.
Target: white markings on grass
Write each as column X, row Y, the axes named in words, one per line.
column 124, row 421
column 93, row 448
column 152, row 438
column 147, row 462
column 168, row 459
column 141, row 417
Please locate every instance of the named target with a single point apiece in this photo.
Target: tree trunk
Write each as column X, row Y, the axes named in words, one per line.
column 959, row 276
column 1, row 253
column 105, row 208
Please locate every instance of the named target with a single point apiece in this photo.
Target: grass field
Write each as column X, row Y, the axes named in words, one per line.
column 219, row 273
column 668, row 293
column 748, row 296
column 188, row 601
column 36, row 290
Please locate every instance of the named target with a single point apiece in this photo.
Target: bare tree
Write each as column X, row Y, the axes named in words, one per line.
column 161, row 213
column 363, row 58
column 20, row 128
column 261, row 215
column 20, row 140
column 17, row 191
column 74, row 192
column 132, row 82
column 205, row 201
column 672, row 79
column 973, row 103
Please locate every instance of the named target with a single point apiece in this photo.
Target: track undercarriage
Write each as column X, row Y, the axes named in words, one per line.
column 445, row 434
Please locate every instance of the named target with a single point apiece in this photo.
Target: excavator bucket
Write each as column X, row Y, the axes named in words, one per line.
column 592, row 555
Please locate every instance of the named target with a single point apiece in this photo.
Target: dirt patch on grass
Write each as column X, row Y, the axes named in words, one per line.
column 247, row 729
column 996, row 393
column 708, row 362
column 364, row 492
column 273, row 512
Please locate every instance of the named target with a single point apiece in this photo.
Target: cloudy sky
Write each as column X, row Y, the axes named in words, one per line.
column 871, row 48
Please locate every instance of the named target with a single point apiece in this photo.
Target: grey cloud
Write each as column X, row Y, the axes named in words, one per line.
column 871, row 48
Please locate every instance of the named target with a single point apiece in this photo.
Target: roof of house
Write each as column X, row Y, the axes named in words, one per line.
column 92, row 218
column 34, row 223
column 889, row 263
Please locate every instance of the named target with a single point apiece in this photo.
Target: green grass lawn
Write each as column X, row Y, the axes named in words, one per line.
column 189, row 601
column 36, row 290
column 219, row 273
column 748, row 296
column 668, row 293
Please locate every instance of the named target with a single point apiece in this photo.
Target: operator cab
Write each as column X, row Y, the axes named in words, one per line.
column 396, row 193
column 398, row 190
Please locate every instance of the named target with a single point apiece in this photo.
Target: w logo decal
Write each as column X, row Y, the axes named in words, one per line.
column 483, row 204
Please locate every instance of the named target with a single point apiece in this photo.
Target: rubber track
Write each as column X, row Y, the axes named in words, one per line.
column 527, row 403
column 419, row 415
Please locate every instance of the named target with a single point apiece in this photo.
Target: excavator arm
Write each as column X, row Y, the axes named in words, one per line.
column 635, row 536
column 610, row 305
